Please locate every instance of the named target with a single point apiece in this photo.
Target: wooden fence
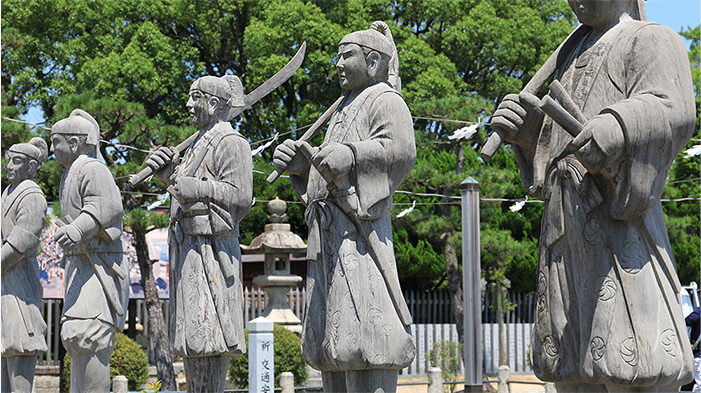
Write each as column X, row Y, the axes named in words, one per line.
column 427, row 307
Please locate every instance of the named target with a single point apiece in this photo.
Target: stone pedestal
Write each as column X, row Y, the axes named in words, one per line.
column 277, row 242
column 277, row 309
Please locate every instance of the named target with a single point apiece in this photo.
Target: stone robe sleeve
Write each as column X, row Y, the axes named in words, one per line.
column 232, row 185
column 385, row 157
column 29, row 221
column 657, row 118
column 101, row 200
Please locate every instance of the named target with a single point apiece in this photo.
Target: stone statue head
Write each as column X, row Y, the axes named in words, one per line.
column 77, row 134
column 597, row 12
column 364, row 57
column 23, row 159
column 214, row 99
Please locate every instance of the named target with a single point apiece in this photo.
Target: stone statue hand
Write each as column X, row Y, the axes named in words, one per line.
column 511, row 116
column 288, row 157
column 333, row 160
column 600, row 142
column 189, row 189
column 68, row 236
column 160, row 158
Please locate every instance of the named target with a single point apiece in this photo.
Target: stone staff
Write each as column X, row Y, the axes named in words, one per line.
column 540, row 77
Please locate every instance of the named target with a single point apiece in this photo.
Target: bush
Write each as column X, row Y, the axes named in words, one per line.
column 446, row 355
column 288, row 357
column 127, row 359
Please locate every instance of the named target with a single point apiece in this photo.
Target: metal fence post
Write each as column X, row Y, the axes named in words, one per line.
column 471, row 284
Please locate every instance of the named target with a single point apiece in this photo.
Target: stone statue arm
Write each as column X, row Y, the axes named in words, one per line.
column 656, row 118
column 101, row 213
column 232, row 185
column 162, row 162
column 24, row 237
column 520, row 125
column 384, row 158
column 659, row 90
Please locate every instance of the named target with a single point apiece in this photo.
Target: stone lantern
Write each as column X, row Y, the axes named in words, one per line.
column 277, row 242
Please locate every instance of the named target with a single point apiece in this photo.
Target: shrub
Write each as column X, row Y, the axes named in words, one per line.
column 288, row 357
column 127, row 359
column 446, row 355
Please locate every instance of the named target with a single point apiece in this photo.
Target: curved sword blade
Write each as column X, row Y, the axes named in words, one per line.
column 276, row 80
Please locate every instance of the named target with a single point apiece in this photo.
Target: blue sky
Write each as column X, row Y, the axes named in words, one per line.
column 676, row 14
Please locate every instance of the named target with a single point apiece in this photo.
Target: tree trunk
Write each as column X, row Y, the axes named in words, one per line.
column 157, row 333
column 454, row 285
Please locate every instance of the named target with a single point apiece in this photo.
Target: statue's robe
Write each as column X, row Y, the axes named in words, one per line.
column 608, row 309
column 205, row 256
column 356, row 317
column 97, row 269
column 23, row 217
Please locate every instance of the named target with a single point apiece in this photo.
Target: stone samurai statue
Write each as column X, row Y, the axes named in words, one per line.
column 96, row 267
column 212, row 189
column 23, row 216
column 356, row 325
column 608, row 312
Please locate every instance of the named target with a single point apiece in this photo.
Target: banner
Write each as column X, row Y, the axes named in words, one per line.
column 51, row 274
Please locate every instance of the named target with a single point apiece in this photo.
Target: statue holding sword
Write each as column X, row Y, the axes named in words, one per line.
column 356, row 324
column 597, row 149
column 211, row 187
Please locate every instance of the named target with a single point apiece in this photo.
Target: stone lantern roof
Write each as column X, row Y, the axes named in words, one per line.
column 277, row 236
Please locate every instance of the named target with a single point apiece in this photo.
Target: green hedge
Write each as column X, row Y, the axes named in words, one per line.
column 288, row 357
column 127, row 359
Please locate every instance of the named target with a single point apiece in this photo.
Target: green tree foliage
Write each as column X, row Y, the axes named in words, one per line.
column 130, row 63
column 485, row 49
column 446, row 355
column 685, row 182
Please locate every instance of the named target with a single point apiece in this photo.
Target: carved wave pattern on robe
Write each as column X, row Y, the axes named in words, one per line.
column 550, row 346
column 629, row 351
column 633, row 257
column 607, row 288
column 669, row 342
column 598, row 348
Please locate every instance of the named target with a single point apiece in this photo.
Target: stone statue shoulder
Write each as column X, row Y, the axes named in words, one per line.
column 208, row 143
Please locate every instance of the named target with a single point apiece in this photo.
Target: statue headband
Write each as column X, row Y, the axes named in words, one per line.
column 79, row 123
column 371, row 39
column 227, row 88
column 35, row 149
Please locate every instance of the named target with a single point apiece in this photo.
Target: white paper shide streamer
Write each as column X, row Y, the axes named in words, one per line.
column 267, row 144
column 517, row 206
column 407, row 211
column 693, row 151
column 464, row 132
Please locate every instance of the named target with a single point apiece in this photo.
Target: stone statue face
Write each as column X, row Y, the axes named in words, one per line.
column 352, row 67
column 598, row 12
column 19, row 167
column 201, row 111
column 64, row 147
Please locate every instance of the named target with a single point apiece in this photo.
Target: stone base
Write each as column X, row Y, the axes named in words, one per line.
column 47, row 379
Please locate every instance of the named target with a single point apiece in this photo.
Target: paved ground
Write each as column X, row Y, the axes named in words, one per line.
column 515, row 387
